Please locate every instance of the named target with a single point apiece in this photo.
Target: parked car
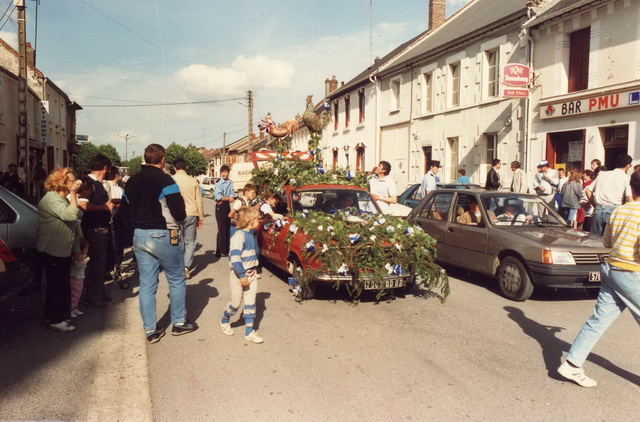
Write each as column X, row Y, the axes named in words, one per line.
column 206, row 184
column 14, row 275
column 274, row 246
column 19, row 228
column 412, row 195
column 520, row 241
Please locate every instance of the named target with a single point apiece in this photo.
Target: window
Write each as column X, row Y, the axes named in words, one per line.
column 438, row 207
column 491, row 147
column 454, row 70
column 579, row 60
column 336, row 114
column 360, row 158
column 427, row 92
column 493, row 78
column 347, row 110
column 395, row 94
column 452, row 159
column 361, row 106
column 335, row 158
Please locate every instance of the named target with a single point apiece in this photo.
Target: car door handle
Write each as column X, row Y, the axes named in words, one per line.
column 451, row 229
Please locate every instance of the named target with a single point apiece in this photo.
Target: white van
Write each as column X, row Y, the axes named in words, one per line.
column 240, row 175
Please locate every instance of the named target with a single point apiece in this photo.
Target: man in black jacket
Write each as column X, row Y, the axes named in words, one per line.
column 493, row 177
column 156, row 207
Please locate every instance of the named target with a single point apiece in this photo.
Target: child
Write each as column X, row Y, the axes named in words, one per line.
column 243, row 282
column 248, row 195
column 77, row 277
column 270, row 200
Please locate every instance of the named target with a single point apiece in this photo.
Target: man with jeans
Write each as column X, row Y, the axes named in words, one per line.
column 190, row 191
column 609, row 191
column 156, row 208
column 620, row 284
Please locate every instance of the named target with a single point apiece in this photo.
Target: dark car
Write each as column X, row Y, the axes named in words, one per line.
column 519, row 240
column 14, row 276
column 285, row 251
column 412, row 195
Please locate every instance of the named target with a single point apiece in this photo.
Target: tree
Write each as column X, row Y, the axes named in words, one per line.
column 174, row 151
column 134, row 164
column 111, row 152
column 196, row 163
column 86, row 154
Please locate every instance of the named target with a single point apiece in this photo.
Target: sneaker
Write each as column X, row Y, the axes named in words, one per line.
column 576, row 375
column 76, row 312
column 187, row 274
column 253, row 337
column 154, row 336
column 62, row 327
column 226, row 328
column 185, row 328
column 73, row 315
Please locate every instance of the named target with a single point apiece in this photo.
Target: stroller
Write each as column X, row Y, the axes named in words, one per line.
column 121, row 239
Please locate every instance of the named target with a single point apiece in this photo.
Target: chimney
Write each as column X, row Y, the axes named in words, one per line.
column 333, row 84
column 31, row 56
column 437, row 10
column 327, row 87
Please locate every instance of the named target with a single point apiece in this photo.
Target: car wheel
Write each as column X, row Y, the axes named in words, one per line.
column 308, row 291
column 514, row 279
column 211, row 194
column 411, row 281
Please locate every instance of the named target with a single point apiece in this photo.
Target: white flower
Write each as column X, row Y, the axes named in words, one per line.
column 391, row 228
column 320, row 228
column 329, row 229
column 398, row 246
column 293, row 228
column 276, row 171
column 324, row 248
column 373, row 237
column 409, row 231
column 382, row 220
column 334, row 177
column 399, row 226
column 313, row 220
column 292, row 181
column 389, row 268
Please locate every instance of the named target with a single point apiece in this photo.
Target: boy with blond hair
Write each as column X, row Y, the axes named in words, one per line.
column 243, row 282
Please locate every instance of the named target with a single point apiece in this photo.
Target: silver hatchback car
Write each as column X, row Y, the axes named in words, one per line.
column 516, row 238
column 19, row 228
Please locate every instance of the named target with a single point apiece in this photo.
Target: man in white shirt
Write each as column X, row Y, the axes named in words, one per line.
column 546, row 182
column 610, row 189
column 430, row 178
column 190, row 191
column 383, row 188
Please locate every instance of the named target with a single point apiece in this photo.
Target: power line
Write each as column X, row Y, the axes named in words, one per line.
column 113, row 99
column 134, row 33
column 8, row 17
column 157, row 104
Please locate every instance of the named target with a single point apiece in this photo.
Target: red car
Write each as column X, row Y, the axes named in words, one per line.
column 288, row 255
column 14, row 276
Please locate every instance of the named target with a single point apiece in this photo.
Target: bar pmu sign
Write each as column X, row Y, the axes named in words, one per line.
column 517, row 77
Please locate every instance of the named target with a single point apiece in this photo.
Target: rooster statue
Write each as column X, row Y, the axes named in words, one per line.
column 277, row 130
column 313, row 121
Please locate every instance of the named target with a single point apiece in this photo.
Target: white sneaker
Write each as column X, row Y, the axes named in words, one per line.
column 73, row 315
column 253, row 337
column 576, row 375
column 62, row 326
column 226, row 329
column 76, row 312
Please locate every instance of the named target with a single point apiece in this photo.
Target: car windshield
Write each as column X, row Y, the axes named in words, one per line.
column 520, row 210
column 333, row 200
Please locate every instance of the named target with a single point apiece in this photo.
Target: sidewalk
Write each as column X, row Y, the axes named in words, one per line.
column 96, row 373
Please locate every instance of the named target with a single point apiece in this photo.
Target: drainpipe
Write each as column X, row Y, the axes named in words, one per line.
column 527, row 122
column 374, row 79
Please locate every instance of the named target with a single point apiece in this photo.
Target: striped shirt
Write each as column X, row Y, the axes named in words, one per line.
column 242, row 252
column 622, row 236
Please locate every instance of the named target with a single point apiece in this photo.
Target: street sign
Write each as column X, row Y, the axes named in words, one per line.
column 515, row 93
column 515, row 75
column 44, row 113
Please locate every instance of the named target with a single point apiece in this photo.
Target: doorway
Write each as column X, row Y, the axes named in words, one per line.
column 566, row 149
column 427, row 158
column 616, row 142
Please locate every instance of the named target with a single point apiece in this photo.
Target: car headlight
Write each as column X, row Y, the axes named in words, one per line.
column 558, row 257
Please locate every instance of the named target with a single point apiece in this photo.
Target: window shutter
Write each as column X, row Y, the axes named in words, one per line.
column 579, row 60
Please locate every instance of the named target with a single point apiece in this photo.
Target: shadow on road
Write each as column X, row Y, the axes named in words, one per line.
column 198, row 296
column 553, row 347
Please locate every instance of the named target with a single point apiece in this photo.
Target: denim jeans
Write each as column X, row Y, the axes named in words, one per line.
column 188, row 230
column 620, row 290
column 153, row 251
column 601, row 218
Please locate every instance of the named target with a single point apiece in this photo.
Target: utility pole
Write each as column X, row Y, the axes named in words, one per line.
column 224, row 146
column 126, row 144
column 250, row 108
column 23, row 137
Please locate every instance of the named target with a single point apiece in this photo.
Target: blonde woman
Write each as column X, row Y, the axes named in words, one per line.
column 57, row 240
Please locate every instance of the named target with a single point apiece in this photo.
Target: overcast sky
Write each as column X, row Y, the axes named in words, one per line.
column 163, row 51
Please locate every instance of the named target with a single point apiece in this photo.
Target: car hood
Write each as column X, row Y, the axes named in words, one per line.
column 561, row 237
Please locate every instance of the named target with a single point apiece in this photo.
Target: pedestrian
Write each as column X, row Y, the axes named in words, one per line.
column 586, row 208
column 156, row 206
column 243, row 281
column 620, row 280
column 562, row 179
column 493, row 177
column 571, row 195
column 11, row 180
column 636, row 167
column 463, row 179
column 249, row 193
column 608, row 191
column 545, row 183
column 223, row 194
column 190, row 191
column 76, row 279
column 595, row 163
column 57, row 240
column 268, row 205
column 519, row 180
column 382, row 187
column 22, row 176
column 430, row 179
column 96, row 222
column 39, row 176
column 111, row 183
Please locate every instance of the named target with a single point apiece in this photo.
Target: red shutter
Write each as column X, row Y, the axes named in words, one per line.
column 579, row 60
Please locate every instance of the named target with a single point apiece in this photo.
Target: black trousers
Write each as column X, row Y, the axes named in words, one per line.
column 98, row 239
column 57, row 302
column 224, row 228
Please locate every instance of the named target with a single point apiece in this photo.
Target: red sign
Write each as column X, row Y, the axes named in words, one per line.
column 515, row 93
column 515, row 75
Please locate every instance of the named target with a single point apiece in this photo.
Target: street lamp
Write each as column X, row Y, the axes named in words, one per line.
column 126, row 140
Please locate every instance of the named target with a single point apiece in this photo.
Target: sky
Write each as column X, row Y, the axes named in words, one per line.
column 133, row 52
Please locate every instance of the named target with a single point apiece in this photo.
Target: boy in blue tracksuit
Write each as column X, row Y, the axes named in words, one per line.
column 243, row 281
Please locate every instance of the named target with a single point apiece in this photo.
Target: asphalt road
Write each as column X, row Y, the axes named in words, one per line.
column 476, row 357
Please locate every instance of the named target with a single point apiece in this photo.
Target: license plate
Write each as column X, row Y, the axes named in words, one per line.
column 594, row 276
column 389, row 283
